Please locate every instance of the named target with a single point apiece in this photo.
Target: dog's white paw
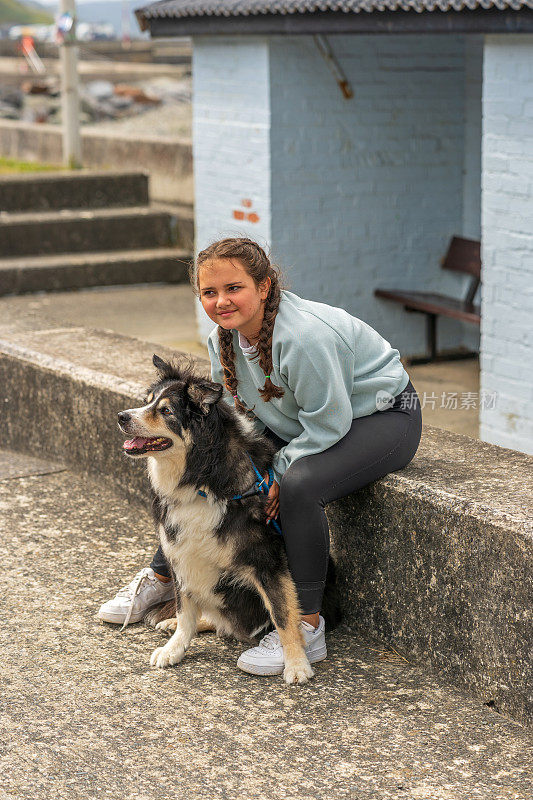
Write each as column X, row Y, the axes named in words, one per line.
column 167, row 624
column 299, row 672
column 166, row 656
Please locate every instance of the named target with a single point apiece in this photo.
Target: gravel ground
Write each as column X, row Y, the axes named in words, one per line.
column 174, row 119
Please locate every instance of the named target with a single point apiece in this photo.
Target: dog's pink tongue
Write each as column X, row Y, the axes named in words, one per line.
column 134, row 444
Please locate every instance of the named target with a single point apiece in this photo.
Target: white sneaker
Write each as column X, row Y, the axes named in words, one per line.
column 267, row 658
column 131, row 603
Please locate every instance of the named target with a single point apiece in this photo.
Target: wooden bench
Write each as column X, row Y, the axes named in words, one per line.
column 463, row 256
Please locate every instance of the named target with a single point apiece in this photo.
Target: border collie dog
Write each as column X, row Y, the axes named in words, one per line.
column 230, row 567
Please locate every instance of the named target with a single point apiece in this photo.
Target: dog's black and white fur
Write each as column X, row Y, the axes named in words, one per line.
column 230, row 567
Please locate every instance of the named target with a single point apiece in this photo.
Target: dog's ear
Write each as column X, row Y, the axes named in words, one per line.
column 161, row 366
column 204, row 395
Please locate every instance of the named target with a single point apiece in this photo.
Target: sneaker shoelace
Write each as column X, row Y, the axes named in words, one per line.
column 270, row 641
column 132, row 590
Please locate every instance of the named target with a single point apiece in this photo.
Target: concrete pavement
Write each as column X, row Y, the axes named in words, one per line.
column 85, row 716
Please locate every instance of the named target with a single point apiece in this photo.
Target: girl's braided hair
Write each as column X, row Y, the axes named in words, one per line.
column 258, row 265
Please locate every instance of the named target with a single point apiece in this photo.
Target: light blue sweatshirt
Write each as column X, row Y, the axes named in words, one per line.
column 331, row 366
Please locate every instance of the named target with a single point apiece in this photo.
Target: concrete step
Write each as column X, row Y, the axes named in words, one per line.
column 76, row 231
column 108, row 268
column 435, row 559
column 183, row 218
column 73, row 189
column 86, row 716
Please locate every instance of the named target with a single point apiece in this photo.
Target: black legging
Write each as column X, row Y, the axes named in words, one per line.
column 375, row 445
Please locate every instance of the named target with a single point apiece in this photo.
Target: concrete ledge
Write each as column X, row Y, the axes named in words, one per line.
column 435, row 559
column 167, row 159
column 75, row 380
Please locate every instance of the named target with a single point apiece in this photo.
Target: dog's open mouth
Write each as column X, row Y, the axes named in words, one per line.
column 141, row 444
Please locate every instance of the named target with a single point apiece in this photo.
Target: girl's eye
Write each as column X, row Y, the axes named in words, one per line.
column 208, row 291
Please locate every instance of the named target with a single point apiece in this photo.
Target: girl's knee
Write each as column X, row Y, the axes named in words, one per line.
column 298, row 479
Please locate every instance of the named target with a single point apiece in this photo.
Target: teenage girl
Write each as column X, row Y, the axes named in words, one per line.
column 326, row 388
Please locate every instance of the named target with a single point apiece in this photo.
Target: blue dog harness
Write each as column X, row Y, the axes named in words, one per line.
column 259, row 487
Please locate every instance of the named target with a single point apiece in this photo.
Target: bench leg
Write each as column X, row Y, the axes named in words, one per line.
column 431, row 340
column 431, row 335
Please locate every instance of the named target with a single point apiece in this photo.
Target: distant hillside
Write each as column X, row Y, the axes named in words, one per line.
column 20, row 14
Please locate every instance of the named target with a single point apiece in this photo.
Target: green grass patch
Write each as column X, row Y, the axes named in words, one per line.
column 10, row 166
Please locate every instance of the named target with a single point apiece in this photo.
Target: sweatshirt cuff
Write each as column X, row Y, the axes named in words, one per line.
column 277, row 475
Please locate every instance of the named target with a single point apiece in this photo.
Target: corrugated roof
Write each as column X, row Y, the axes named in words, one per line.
column 172, row 9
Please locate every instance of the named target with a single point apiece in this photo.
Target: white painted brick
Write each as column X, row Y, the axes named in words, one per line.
column 507, row 201
column 231, row 140
column 504, row 438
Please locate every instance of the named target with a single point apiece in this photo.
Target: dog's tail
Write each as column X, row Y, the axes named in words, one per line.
column 331, row 606
column 159, row 613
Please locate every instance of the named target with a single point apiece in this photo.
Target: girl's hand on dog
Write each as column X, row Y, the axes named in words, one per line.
column 272, row 506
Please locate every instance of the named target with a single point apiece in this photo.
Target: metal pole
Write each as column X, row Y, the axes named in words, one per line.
column 70, row 102
column 325, row 48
